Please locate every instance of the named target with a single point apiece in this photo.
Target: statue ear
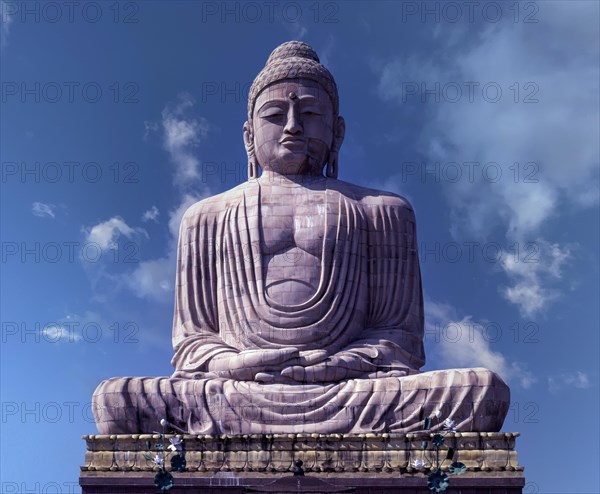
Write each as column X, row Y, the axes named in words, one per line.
column 339, row 131
column 249, row 145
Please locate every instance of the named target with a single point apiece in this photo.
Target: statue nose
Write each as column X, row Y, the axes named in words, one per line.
column 293, row 125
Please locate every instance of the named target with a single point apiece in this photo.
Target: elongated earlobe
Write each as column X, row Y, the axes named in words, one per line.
column 332, row 165
column 252, row 169
column 249, row 144
column 338, row 138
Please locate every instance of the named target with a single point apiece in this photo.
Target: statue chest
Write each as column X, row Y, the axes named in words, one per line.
column 296, row 220
column 292, row 228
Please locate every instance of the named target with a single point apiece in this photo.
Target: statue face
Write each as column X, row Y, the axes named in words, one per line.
column 293, row 127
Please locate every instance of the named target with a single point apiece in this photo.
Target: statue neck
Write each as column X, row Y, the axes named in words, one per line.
column 269, row 177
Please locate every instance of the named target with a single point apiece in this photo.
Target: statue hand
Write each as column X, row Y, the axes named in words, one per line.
column 244, row 366
column 306, row 358
column 341, row 366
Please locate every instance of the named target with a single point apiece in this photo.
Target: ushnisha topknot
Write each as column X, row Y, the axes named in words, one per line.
column 293, row 60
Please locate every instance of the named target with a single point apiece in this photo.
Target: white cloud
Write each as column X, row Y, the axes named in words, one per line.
column 462, row 343
column 530, row 298
column 55, row 333
column 151, row 214
column 547, row 151
column 154, row 279
column 107, row 233
column 531, row 272
column 43, row 210
column 577, row 379
column 181, row 134
column 559, row 57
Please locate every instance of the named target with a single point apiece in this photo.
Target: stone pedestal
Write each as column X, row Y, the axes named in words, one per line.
column 363, row 463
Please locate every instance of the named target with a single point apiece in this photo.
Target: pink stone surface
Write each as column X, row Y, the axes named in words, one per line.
column 298, row 304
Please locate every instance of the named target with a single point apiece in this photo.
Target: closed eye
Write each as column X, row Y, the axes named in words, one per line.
column 272, row 112
column 311, row 111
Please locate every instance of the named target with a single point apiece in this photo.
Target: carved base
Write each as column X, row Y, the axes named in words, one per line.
column 332, row 463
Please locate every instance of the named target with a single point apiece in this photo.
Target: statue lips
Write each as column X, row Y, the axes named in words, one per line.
column 295, row 143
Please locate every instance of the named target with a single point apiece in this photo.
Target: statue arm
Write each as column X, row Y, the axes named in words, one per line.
column 393, row 338
column 196, row 338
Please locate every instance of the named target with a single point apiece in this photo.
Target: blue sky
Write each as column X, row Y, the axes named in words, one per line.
column 116, row 117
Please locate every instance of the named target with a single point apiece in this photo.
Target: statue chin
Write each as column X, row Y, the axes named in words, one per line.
column 268, row 275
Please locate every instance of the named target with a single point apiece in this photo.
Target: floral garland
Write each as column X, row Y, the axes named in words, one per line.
column 438, row 480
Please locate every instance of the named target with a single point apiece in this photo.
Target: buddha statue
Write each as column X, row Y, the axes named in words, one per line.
column 298, row 304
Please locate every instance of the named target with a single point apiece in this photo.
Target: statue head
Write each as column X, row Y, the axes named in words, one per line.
column 293, row 123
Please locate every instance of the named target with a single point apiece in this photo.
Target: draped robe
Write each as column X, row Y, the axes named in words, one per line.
column 368, row 303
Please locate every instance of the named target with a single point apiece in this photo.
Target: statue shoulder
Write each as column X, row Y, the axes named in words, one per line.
column 213, row 205
column 369, row 198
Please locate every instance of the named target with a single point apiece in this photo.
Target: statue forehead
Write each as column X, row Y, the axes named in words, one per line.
column 301, row 87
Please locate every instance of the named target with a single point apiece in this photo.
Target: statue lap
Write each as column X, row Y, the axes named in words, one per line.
column 476, row 399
